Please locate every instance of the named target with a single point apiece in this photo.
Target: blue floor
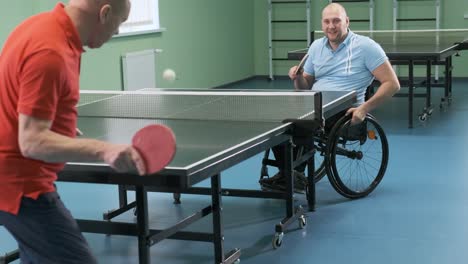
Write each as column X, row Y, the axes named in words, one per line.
column 418, row 214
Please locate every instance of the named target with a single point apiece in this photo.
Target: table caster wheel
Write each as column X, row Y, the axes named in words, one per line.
column 176, row 198
column 302, row 222
column 277, row 240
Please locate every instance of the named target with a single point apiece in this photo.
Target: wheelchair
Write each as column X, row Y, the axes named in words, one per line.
column 354, row 157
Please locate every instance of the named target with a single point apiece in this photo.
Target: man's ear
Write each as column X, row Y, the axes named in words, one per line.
column 105, row 13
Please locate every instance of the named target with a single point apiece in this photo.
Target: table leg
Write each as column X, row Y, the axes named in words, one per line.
column 411, row 93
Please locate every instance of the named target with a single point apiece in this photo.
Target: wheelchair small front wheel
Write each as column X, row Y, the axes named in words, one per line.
column 357, row 156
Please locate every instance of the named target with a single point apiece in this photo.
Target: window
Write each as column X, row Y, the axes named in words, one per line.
column 143, row 18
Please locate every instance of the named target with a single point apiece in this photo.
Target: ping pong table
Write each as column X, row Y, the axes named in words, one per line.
column 215, row 130
column 416, row 47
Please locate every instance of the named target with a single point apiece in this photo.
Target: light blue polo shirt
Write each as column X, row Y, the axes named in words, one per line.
column 347, row 68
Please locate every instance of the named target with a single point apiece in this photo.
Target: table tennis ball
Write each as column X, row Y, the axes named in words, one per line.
column 169, row 75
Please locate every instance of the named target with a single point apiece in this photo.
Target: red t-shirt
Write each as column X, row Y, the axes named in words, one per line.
column 39, row 77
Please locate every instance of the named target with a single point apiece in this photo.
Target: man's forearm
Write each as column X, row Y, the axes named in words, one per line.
column 385, row 91
column 52, row 147
column 301, row 83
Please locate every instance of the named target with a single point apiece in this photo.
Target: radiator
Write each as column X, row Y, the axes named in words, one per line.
column 139, row 69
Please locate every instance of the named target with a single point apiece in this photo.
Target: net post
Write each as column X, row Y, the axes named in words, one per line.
column 312, row 37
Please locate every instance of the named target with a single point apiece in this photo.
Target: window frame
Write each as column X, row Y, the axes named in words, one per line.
column 138, row 27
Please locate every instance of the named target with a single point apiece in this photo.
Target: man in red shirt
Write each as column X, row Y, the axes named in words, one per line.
column 39, row 89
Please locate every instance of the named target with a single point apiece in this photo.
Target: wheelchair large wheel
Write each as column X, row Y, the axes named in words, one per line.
column 356, row 156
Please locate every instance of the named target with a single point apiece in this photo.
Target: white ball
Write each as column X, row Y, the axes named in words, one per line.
column 169, row 75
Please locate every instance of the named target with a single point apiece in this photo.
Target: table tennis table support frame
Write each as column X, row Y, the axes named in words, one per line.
column 411, row 93
column 427, row 111
column 306, row 157
column 9, row 257
column 447, row 85
column 148, row 237
column 293, row 212
column 448, row 82
column 144, row 244
column 311, row 198
column 428, row 84
column 218, row 223
column 411, row 84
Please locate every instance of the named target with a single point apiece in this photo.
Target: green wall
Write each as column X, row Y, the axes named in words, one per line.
column 207, row 42
column 214, row 42
column 12, row 13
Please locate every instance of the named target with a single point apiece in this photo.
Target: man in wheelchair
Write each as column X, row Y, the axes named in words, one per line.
column 341, row 60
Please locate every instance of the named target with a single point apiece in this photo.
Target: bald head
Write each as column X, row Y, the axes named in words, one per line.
column 118, row 5
column 97, row 20
column 335, row 8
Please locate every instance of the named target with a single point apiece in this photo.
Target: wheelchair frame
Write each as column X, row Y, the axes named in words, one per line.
column 333, row 145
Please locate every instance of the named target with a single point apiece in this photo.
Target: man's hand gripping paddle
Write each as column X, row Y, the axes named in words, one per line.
column 300, row 67
column 156, row 145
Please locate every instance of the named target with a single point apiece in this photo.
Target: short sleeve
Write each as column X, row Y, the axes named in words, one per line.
column 41, row 77
column 375, row 55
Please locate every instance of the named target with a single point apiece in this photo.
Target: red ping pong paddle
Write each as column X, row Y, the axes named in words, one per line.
column 156, row 145
column 301, row 64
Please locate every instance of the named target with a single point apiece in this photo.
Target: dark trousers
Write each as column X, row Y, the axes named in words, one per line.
column 306, row 144
column 46, row 232
column 279, row 156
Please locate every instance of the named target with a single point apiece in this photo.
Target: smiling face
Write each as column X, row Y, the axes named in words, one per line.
column 111, row 16
column 335, row 24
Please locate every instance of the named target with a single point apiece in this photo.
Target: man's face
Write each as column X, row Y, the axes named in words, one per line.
column 335, row 25
column 110, row 21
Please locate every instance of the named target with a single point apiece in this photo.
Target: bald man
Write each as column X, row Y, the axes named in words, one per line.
column 39, row 89
column 341, row 60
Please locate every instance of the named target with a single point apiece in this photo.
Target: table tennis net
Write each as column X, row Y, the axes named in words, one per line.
column 203, row 105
